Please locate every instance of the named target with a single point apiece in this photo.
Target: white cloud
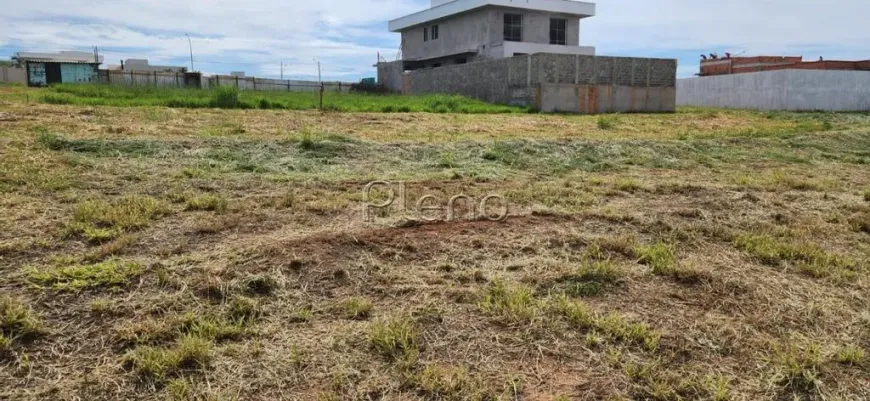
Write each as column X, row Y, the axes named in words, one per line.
column 346, row 35
column 813, row 28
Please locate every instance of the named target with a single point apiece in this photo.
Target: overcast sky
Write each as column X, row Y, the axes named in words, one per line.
column 346, row 35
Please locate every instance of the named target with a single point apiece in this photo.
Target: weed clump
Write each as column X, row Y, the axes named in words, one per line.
column 811, row 259
column 225, row 97
column 213, row 328
column 109, row 274
column 444, row 104
column 263, row 285
column 627, row 184
column 17, row 321
column 580, row 315
column 244, row 309
column 51, row 141
column 355, row 309
column 852, row 356
column 591, row 278
column 189, row 353
column 861, row 222
column 661, row 257
column 99, row 221
column 206, row 202
column 395, row 338
column 511, row 304
column 607, row 122
column 449, row 383
column 797, row 368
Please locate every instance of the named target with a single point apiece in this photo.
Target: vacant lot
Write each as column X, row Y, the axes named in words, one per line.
column 175, row 253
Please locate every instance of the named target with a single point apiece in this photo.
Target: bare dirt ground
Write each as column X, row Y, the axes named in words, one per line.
column 223, row 255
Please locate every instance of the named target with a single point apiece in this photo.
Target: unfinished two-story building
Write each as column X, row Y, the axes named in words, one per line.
column 461, row 31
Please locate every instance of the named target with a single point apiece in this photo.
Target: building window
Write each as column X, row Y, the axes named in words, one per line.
column 434, row 32
column 557, row 32
column 425, row 34
column 513, row 27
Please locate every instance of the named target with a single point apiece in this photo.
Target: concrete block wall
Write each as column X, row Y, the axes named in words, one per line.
column 522, row 80
column 795, row 90
column 13, row 74
column 390, row 75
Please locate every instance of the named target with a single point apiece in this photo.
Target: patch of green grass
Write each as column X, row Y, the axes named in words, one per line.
column 622, row 330
column 5, row 345
column 449, row 383
column 109, row 274
column 99, row 220
column 590, row 278
column 506, row 153
column 652, row 381
column 396, row 338
column 447, row 160
column 660, row 257
column 213, row 328
column 190, row 353
column 17, row 320
column 579, row 314
column 355, row 308
column 852, row 356
column 607, row 121
column 797, row 368
column 101, row 307
column 225, row 97
column 811, row 259
column 627, row 184
column 207, row 202
column 511, row 304
column 243, row 309
column 228, row 97
column 867, row 195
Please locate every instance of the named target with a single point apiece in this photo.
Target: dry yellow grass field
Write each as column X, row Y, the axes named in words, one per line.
column 180, row 254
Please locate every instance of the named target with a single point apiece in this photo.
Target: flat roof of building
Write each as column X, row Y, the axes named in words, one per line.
column 61, row 57
column 570, row 7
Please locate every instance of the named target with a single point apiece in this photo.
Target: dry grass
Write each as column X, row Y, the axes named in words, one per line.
column 155, row 253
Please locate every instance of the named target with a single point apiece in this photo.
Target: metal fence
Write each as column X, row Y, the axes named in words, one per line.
column 196, row 80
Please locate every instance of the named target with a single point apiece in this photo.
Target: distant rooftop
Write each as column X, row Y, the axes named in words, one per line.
column 61, row 57
column 445, row 8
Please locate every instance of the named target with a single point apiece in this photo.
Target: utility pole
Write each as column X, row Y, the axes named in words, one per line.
column 319, row 78
column 189, row 43
column 282, row 70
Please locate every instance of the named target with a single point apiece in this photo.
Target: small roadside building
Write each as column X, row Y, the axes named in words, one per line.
column 142, row 65
column 64, row 67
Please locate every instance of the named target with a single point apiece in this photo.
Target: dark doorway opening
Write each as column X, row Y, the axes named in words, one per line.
column 52, row 73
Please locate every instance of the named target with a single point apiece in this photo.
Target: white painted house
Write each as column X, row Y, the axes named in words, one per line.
column 460, row 31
